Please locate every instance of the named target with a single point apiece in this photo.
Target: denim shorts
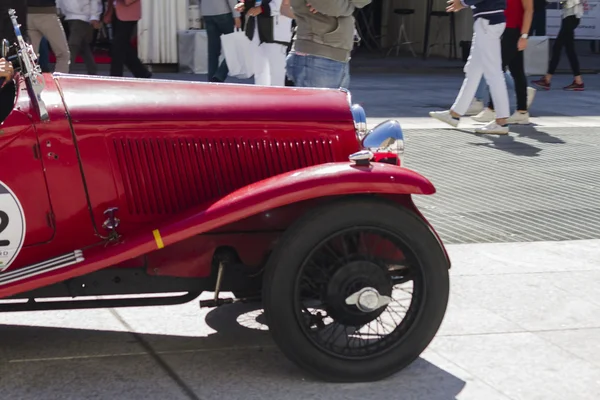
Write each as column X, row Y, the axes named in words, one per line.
column 319, row 72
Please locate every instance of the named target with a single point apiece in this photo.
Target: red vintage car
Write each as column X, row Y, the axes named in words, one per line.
column 113, row 187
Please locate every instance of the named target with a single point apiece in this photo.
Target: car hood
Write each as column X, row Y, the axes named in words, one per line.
column 90, row 98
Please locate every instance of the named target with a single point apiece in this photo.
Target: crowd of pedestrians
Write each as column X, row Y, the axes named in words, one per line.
column 500, row 37
column 308, row 43
column 43, row 25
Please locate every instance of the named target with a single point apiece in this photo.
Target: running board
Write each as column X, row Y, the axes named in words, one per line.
column 41, row 268
column 53, row 305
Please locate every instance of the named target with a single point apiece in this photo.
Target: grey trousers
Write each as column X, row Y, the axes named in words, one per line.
column 80, row 38
column 49, row 26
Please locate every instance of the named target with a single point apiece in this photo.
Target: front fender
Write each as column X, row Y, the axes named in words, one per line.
column 333, row 179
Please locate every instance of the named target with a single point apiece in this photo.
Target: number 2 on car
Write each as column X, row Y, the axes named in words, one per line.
column 12, row 226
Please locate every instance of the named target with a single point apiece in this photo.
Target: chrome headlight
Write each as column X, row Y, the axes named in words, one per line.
column 360, row 120
column 386, row 137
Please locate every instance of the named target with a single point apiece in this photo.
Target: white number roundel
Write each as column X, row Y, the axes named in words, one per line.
column 12, row 226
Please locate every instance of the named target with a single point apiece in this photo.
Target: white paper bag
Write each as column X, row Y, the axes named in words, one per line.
column 537, row 55
column 193, row 51
column 237, row 49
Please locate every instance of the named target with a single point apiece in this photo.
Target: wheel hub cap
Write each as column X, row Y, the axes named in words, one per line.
column 368, row 300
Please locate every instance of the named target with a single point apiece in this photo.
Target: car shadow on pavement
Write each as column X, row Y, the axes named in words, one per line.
column 236, row 361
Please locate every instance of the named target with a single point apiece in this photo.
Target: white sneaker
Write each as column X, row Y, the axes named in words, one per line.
column 486, row 115
column 445, row 116
column 519, row 118
column 530, row 96
column 475, row 108
column 493, row 128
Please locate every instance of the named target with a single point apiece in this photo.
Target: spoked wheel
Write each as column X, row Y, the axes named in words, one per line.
column 356, row 290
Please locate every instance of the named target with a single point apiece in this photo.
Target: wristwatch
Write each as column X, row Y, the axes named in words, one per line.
column 524, row 36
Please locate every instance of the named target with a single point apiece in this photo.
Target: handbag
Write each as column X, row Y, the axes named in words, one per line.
column 238, row 54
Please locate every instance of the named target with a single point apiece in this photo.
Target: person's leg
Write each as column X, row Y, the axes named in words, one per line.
column 346, row 76
column 35, row 35
column 491, row 57
column 52, row 29
column 482, row 92
column 473, row 72
column 541, row 28
column 295, row 67
column 214, row 45
column 508, row 44
column 226, row 26
column 119, row 47
column 74, row 40
column 545, row 81
column 538, row 23
column 44, row 58
column 86, row 50
column 571, row 23
column 132, row 61
column 517, row 70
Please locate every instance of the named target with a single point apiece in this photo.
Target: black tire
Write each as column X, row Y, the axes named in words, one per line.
column 297, row 244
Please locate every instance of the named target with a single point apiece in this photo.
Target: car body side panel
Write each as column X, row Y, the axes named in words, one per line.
column 22, row 172
column 157, row 148
column 71, row 222
column 331, row 179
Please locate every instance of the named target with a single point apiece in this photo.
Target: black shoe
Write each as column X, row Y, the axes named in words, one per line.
column 216, row 80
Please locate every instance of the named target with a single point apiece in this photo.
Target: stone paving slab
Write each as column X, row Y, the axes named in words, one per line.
column 522, row 324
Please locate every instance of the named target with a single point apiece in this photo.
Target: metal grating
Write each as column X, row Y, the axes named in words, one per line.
column 165, row 176
column 537, row 184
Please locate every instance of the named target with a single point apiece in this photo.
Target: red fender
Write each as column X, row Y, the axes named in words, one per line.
column 333, row 179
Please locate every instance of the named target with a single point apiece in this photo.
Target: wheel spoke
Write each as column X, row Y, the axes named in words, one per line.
column 345, row 264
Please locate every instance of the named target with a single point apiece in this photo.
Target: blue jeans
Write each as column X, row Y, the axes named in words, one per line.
column 318, row 72
column 483, row 90
column 217, row 25
column 44, row 59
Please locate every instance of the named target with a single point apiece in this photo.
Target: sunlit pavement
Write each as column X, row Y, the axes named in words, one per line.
column 524, row 315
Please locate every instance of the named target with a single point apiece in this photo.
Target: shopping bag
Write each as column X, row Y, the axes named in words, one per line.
column 237, row 50
column 537, row 55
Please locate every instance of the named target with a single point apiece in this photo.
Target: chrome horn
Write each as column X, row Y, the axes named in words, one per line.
column 360, row 120
column 385, row 137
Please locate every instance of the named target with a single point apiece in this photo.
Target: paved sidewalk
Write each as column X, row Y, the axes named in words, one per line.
column 524, row 317
column 522, row 324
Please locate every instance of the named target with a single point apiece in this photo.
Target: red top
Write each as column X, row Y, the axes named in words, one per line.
column 514, row 13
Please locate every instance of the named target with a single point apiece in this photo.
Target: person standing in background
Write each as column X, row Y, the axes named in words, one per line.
column 82, row 16
column 571, row 16
column 220, row 18
column 124, row 15
column 43, row 21
column 538, row 24
column 324, row 40
column 519, row 15
column 484, row 60
column 270, row 33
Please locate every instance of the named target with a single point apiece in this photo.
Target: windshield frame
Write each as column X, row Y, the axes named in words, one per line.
column 30, row 70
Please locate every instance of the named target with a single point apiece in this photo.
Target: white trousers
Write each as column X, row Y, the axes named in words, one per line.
column 485, row 60
column 269, row 63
